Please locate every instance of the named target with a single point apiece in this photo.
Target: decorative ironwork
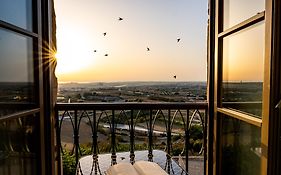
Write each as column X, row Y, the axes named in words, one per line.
column 177, row 119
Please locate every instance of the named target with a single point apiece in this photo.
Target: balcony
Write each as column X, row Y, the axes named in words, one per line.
column 98, row 135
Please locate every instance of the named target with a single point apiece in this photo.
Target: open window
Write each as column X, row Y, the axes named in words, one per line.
column 244, row 85
column 24, row 87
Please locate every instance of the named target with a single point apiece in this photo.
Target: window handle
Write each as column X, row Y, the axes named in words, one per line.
column 278, row 104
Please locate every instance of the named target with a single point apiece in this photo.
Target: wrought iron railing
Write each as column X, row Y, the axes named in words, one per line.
column 177, row 121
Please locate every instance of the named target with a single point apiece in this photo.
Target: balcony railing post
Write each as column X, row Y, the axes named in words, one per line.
column 76, row 138
column 187, row 140
column 132, row 138
column 113, row 139
column 169, row 143
column 58, row 147
column 150, row 135
column 95, row 144
column 94, row 134
column 205, row 139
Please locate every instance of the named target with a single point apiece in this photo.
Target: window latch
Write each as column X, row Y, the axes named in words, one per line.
column 278, row 105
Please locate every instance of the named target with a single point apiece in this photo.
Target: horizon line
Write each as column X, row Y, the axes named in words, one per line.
column 128, row 81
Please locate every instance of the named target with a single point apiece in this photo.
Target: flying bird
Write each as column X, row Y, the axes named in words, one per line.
column 106, row 55
column 175, row 77
column 178, row 39
column 104, row 33
column 120, row 19
column 95, row 50
column 147, row 49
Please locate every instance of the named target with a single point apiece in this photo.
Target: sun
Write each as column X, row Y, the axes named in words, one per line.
column 73, row 57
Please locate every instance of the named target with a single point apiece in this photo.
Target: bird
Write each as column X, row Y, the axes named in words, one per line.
column 147, row 49
column 95, row 50
column 178, row 39
column 120, row 19
column 175, row 77
column 104, row 33
column 106, row 55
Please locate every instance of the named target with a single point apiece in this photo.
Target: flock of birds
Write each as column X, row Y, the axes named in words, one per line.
column 147, row 48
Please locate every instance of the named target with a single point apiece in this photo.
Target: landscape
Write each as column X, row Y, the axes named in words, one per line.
column 132, row 92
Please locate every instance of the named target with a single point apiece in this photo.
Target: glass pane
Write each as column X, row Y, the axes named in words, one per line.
column 16, row 71
column 236, row 11
column 17, row 12
column 243, row 56
column 19, row 146
column 241, row 150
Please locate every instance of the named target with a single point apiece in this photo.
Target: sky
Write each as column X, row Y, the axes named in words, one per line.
column 82, row 46
column 156, row 24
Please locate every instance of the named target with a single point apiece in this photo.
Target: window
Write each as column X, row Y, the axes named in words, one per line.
column 243, row 56
column 20, row 146
column 237, row 11
column 18, row 78
column 17, row 12
column 240, row 92
column 16, row 68
column 240, row 147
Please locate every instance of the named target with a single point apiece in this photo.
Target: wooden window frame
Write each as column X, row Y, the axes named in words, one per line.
column 215, row 36
column 274, row 131
column 40, row 35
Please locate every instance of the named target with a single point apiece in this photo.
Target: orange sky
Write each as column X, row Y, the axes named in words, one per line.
column 154, row 24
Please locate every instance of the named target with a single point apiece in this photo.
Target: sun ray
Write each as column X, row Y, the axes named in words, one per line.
column 49, row 55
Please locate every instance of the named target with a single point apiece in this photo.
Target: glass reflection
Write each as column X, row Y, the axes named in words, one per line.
column 236, row 11
column 16, row 70
column 17, row 12
column 241, row 150
column 243, row 55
